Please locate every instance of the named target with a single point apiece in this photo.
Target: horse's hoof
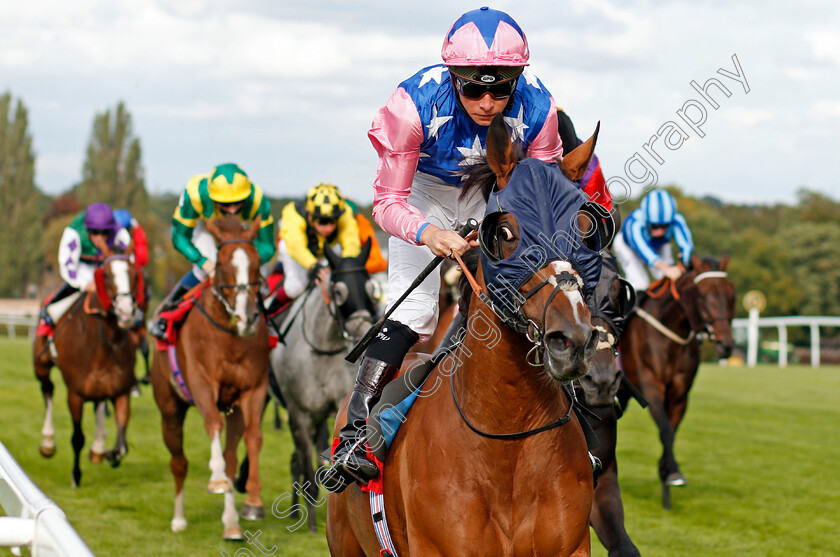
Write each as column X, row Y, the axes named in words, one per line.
column 135, row 391
column 179, row 524
column 47, row 451
column 252, row 512
column 114, row 459
column 232, row 533
column 676, row 479
column 96, row 458
column 219, row 486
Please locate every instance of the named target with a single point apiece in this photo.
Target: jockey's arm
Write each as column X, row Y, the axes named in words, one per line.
column 69, row 256
column 141, row 246
column 293, row 232
column 547, row 146
column 397, row 134
column 184, row 220
column 682, row 236
column 348, row 234
column 264, row 242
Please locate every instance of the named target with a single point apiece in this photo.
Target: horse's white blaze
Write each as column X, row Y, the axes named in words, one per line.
column 123, row 302
column 240, row 262
column 578, row 305
column 179, row 521
column 98, row 445
column 48, row 431
column 217, row 461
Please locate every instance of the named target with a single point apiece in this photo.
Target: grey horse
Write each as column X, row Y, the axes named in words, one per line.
column 309, row 363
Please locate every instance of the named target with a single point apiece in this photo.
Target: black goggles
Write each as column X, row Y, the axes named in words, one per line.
column 98, row 231
column 323, row 221
column 475, row 90
column 657, row 226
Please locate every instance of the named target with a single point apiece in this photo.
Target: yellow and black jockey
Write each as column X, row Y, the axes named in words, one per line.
column 319, row 221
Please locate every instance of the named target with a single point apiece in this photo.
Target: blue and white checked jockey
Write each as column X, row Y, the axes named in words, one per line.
column 645, row 240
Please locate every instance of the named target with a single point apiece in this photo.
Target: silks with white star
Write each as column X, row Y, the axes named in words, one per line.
column 422, row 129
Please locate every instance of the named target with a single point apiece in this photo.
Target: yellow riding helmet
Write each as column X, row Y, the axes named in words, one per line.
column 325, row 201
column 228, row 184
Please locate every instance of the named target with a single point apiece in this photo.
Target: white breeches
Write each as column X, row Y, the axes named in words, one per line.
column 635, row 268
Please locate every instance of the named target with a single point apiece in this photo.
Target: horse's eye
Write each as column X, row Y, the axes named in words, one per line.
column 506, row 233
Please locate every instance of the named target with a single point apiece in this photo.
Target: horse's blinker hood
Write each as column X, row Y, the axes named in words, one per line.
column 546, row 205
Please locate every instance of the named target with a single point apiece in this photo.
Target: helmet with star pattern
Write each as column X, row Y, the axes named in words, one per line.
column 325, row 201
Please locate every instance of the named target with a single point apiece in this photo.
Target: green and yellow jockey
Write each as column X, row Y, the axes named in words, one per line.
column 225, row 191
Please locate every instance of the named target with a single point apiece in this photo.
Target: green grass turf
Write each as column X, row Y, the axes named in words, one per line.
column 760, row 449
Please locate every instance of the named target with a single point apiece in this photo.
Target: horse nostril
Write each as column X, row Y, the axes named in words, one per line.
column 557, row 341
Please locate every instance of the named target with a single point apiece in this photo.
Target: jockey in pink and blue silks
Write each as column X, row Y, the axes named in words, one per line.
column 433, row 127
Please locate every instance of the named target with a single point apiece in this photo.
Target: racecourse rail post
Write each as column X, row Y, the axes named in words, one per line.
column 371, row 333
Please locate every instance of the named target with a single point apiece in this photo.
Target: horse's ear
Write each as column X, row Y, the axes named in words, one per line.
column 724, row 261
column 213, row 229
column 696, row 263
column 332, row 258
column 254, row 229
column 500, row 155
column 574, row 163
column 365, row 253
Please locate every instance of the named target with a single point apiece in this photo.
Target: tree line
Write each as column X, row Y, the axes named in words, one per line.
column 789, row 252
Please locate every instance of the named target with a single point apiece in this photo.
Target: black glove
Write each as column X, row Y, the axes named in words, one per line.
column 315, row 269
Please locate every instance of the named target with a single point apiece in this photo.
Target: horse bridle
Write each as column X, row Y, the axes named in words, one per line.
column 335, row 312
column 217, row 287
column 707, row 328
column 566, row 280
column 131, row 289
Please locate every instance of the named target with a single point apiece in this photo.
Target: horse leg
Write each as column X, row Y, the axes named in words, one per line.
column 97, row 448
column 76, row 403
column 122, row 411
column 172, row 423
column 676, row 411
column 253, row 406
column 607, row 515
column 143, row 345
column 42, row 373
column 242, row 479
column 667, row 464
column 303, row 475
column 323, row 441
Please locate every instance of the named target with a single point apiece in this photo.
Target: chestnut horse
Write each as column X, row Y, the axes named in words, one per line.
column 222, row 352
column 94, row 348
column 483, row 465
column 661, row 353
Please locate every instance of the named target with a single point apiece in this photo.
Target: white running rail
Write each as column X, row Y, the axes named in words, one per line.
column 813, row 322
column 32, row 520
column 10, row 321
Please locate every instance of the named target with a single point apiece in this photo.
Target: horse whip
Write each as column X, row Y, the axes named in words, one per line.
column 371, row 333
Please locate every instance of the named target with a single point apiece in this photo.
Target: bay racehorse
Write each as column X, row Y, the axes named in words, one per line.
column 597, row 392
column 309, row 363
column 660, row 349
column 222, row 355
column 94, row 348
column 492, row 460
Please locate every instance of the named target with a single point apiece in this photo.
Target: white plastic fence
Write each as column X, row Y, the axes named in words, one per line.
column 754, row 323
column 10, row 321
column 32, row 520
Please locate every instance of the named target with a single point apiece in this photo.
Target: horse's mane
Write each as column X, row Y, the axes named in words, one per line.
column 480, row 175
column 230, row 225
column 470, row 259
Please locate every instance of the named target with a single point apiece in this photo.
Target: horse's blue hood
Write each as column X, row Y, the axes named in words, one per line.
column 545, row 204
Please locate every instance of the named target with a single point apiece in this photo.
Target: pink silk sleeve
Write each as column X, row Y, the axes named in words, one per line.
column 396, row 134
column 547, row 146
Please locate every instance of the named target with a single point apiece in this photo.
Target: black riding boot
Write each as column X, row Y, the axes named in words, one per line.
column 350, row 456
column 158, row 322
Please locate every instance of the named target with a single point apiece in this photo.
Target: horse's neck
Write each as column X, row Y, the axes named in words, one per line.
column 495, row 380
column 668, row 311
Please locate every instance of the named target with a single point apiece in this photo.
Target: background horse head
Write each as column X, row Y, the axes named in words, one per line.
column 220, row 361
column 309, row 365
column 95, row 351
column 661, row 351
column 236, row 281
column 504, row 404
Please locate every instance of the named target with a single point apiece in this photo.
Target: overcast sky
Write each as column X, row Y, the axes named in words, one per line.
column 288, row 89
